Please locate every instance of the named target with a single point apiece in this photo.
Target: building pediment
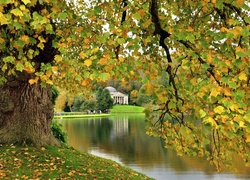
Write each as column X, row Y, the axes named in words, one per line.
column 118, row 94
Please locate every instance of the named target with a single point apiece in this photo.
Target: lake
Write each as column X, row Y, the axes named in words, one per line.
column 123, row 139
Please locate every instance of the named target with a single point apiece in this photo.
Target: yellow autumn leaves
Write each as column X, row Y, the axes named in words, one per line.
column 46, row 77
column 219, row 118
column 88, row 62
column 236, row 31
column 238, row 3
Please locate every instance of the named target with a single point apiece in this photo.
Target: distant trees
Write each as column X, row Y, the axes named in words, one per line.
column 81, row 104
column 139, row 97
column 88, row 104
column 142, row 97
column 104, row 100
column 64, row 100
column 133, row 96
column 78, row 101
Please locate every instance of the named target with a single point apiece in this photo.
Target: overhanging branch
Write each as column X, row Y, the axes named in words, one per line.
column 211, row 67
column 163, row 34
column 124, row 14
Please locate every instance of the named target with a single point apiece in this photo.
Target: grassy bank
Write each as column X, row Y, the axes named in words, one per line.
column 114, row 110
column 80, row 116
column 59, row 163
column 126, row 109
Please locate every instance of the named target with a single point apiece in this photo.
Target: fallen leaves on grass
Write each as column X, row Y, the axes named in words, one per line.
column 59, row 163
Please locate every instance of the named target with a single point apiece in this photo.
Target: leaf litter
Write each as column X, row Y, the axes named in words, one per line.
column 59, row 163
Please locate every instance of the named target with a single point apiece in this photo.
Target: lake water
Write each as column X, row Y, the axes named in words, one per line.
column 123, row 139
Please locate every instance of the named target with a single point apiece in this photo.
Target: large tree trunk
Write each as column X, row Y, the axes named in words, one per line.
column 25, row 114
column 26, row 110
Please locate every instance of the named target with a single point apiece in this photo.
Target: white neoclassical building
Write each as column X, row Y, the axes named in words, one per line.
column 119, row 98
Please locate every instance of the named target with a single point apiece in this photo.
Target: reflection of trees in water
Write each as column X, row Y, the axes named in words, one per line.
column 129, row 140
column 85, row 133
column 101, row 130
column 126, row 137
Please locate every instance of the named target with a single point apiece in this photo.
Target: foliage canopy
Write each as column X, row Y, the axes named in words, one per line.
column 202, row 47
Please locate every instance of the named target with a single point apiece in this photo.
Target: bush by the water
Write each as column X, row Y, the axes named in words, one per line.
column 58, row 131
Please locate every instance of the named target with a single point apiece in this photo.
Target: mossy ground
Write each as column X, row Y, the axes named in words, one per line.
column 59, row 163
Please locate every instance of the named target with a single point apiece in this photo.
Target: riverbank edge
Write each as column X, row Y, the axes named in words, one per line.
column 81, row 116
column 95, row 115
column 65, row 162
column 117, row 109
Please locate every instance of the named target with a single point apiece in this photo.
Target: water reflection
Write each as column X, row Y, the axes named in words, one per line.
column 123, row 139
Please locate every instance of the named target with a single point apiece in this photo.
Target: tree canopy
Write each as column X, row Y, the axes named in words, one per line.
column 192, row 55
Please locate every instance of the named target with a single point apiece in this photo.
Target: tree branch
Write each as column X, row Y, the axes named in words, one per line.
column 237, row 10
column 124, row 14
column 211, row 67
column 163, row 35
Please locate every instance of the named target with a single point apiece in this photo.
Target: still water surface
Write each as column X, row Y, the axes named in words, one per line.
column 122, row 138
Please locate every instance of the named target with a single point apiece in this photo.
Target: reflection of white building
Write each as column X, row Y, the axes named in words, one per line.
column 119, row 98
column 120, row 127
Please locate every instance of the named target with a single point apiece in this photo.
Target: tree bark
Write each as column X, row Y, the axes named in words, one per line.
column 25, row 114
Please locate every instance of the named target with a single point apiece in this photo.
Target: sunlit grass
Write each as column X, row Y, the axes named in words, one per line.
column 115, row 109
column 80, row 116
column 126, row 109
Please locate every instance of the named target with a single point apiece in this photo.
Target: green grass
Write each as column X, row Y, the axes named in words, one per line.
column 81, row 116
column 126, row 109
column 59, row 163
column 114, row 110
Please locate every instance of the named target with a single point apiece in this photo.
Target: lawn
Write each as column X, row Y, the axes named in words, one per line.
column 64, row 162
column 126, row 109
column 114, row 110
column 59, row 163
column 80, row 116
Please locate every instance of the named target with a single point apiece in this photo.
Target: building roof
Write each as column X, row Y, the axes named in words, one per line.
column 118, row 94
column 111, row 89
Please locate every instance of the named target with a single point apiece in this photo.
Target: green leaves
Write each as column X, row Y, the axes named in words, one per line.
column 232, row 84
column 38, row 21
column 202, row 113
column 3, row 19
column 219, row 109
column 17, row 12
column 5, row 1
column 97, row 10
column 9, row 59
column 19, row 66
column 63, row 15
column 104, row 76
column 121, row 40
column 26, row 1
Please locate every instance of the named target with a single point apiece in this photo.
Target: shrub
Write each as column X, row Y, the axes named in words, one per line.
column 58, row 132
column 55, row 94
